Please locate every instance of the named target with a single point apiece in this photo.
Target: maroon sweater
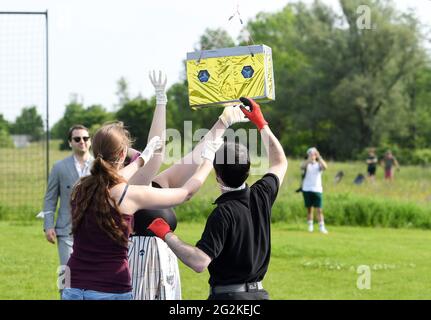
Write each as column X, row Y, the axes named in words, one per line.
column 99, row 263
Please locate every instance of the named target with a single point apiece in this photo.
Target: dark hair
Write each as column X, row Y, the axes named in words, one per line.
column 93, row 191
column 232, row 164
column 76, row 127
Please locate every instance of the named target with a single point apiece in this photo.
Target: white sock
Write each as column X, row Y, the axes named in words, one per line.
column 310, row 222
column 322, row 224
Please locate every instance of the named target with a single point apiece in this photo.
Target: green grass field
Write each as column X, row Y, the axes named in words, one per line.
column 303, row 265
column 23, row 172
column 406, row 202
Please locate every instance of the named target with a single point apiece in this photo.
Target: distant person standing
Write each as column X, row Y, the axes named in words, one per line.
column 389, row 162
column 312, row 188
column 372, row 162
column 64, row 174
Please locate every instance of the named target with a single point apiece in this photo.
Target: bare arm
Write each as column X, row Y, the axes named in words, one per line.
column 146, row 174
column 276, row 156
column 158, row 128
column 322, row 163
column 180, row 172
column 191, row 256
column 128, row 171
column 396, row 163
column 146, row 197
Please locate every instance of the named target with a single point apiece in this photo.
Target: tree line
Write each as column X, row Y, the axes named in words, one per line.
column 344, row 82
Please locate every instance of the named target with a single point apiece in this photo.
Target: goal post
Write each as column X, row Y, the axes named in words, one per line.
column 24, row 111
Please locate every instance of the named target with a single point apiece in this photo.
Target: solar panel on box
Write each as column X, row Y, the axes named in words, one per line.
column 220, row 77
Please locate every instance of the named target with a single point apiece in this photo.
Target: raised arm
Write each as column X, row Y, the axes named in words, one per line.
column 180, row 172
column 143, row 160
column 146, row 197
column 322, row 163
column 158, row 128
column 277, row 158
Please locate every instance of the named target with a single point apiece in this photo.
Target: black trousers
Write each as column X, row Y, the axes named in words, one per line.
column 250, row 295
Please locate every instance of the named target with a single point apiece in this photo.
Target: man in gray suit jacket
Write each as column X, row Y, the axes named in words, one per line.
column 64, row 174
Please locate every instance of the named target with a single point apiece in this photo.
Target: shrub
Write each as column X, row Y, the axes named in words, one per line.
column 340, row 209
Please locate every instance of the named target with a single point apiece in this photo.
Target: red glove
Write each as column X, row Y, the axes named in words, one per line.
column 255, row 114
column 160, row 228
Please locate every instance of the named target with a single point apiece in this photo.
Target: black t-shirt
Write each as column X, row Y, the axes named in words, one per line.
column 237, row 233
column 143, row 218
column 373, row 165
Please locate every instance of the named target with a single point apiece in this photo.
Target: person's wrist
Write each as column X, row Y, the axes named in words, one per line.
column 144, row 158
column 134, row 154
column 161, row 97
column 208, row 155
column 261, row 124
column 265, row 124
column 223, row 121
column 140, row 162
column 168, row 235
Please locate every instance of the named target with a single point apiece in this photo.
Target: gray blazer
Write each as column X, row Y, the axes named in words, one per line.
column 61, row 180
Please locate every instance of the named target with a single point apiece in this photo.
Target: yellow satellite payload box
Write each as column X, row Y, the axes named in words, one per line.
column 220, row 77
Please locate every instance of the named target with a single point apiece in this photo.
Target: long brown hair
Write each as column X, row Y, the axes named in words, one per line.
column 91, row 194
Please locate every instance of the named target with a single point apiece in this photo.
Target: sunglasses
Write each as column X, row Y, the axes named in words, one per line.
column 78, row 139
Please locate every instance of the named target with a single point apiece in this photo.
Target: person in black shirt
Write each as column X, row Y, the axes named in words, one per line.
column 153, row 266
column 372, row 164
column 236, row 242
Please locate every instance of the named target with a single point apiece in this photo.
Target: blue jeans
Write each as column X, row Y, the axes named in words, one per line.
column 80, row 294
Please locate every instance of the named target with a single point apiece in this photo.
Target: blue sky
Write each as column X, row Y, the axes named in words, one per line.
column 94, row 43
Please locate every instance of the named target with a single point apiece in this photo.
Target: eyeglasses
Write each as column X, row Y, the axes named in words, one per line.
column 78, row 139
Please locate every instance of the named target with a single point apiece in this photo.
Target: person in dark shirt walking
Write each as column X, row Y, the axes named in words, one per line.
column 236, row 242
column 372, row 162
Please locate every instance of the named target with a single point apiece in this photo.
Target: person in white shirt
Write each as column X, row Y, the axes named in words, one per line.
column 312, row 188
column 83, row 165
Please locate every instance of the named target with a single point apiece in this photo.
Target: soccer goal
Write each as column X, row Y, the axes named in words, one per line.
column 24, row 112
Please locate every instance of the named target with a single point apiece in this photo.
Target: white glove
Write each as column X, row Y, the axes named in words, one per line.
column 210, row 148
column 231, row 115
column 160, row 86
column 154, row 144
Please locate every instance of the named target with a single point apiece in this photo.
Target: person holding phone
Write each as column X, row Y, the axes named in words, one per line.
column 312, row 189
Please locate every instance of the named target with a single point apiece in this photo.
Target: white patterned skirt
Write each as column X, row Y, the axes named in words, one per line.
column 154, row 269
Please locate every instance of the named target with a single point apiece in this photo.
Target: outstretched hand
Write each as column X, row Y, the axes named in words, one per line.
column 154, row 144
column 254, row 114
column 231, row 115
column 159, row 86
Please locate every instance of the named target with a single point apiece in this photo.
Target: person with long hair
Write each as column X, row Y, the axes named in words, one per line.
column 153, row 265
column 103, row 205
column 64, row 174
column 235, row 245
